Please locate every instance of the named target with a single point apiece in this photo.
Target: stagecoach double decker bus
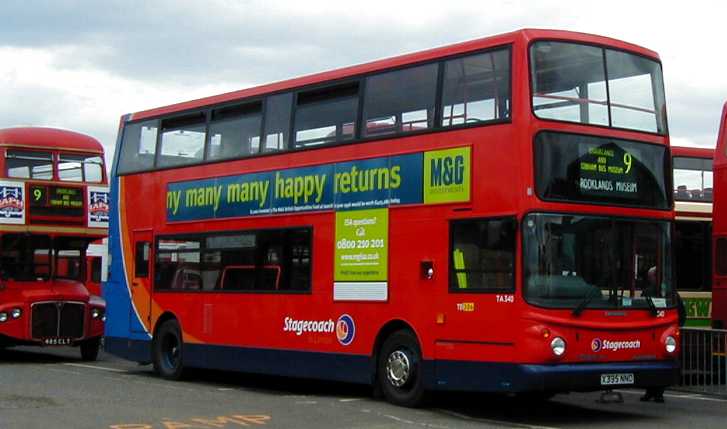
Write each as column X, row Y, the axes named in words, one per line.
column 494, row 215
column 693, row 194
column 54, row 201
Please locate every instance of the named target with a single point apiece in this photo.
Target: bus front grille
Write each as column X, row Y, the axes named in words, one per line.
column 57, row 320
column 71, row 321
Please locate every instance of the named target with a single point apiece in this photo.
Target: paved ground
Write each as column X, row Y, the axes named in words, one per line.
column 53, row 388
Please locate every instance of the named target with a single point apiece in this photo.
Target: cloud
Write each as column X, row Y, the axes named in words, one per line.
column 81, row 64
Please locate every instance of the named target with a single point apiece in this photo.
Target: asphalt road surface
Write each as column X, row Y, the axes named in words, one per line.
column 53, row 388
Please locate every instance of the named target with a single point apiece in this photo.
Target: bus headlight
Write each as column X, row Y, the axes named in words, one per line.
column 98, row 313
column 558, row 346
column 670, row 344
column 3, row 317
column 16, row 313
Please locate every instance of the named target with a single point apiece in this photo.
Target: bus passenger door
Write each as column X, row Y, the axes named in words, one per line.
column 141, row 284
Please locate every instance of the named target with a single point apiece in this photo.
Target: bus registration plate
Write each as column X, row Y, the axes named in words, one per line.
column 614, row 379
column 57, row 341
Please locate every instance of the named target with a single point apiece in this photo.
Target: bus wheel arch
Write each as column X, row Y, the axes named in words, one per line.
column 168, row 347
column 397, row 364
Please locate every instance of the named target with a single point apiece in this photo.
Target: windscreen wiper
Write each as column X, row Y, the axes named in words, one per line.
column 652, row 306
column 582, row 305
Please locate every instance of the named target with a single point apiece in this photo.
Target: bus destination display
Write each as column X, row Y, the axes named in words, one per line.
column 578, row 168
column 49, row 200
column 607, row 170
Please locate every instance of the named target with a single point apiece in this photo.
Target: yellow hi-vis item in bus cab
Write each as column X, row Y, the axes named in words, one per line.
column 459, row 266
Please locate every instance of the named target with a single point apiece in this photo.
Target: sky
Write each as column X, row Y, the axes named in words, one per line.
column 81, row 64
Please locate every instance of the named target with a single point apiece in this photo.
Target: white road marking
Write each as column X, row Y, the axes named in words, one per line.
column 102, row 368
column 695, row 396
column 404, row 421
column 350, row 399
column 504, row 423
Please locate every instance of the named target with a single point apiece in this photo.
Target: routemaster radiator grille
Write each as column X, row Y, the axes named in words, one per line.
column 57, row 320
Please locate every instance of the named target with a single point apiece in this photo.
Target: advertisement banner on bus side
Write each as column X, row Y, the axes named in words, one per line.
column 98, row 207
column 12, row 203
column 354, row 185
column 361, row 245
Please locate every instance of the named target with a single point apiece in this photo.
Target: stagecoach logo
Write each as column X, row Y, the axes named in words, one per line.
column 12, row 206
column 345, row 329
column 98, row 207
column 597, row 345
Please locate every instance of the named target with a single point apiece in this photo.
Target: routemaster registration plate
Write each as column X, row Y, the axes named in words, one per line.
column 613, row 379
column 57, row 341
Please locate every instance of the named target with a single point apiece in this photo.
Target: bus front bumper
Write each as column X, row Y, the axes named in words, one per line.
column 508, row 377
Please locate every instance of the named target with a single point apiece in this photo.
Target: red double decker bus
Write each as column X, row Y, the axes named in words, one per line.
column 494, row 215
column 53, row 202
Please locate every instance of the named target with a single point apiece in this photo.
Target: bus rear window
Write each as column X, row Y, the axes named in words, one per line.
column 578, row 168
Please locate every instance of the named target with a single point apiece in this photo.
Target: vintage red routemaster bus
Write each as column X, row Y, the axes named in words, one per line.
column 719, row 232
column 693, row 191
column 53, row 202
column 494, row 215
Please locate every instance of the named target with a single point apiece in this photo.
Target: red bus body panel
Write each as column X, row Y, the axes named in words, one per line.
column 719, row 283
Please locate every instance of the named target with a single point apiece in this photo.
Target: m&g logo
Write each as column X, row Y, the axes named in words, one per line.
column 448, row 170
column 447, row 175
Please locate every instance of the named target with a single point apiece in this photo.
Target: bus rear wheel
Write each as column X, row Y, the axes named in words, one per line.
column 89, row 349
column 399, row 370
column 167, row 350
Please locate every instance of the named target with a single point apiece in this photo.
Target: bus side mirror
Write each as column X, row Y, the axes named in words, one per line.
column 426, row 270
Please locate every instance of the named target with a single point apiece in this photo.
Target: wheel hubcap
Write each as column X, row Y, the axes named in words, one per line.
column 398, row 368
column 172, row 351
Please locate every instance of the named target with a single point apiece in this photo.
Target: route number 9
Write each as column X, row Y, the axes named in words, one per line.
column 627, row 162
column 37, row 194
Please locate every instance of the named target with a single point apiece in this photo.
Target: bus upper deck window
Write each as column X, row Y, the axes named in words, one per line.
column 138, row 147
column 476, row 88
column 29, row 164
column 80, row 168
column 400, row 101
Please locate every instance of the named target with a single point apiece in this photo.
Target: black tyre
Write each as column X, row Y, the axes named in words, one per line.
column 89, row 349
column 399, row 370
column 167, row 350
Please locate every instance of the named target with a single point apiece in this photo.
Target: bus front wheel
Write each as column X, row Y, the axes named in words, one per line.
column 399, row 369
column 89, row 349
column 167, row 350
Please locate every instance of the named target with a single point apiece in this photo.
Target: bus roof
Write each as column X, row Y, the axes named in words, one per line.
column 692, row 152
column 48, row 138
column 523, row 35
